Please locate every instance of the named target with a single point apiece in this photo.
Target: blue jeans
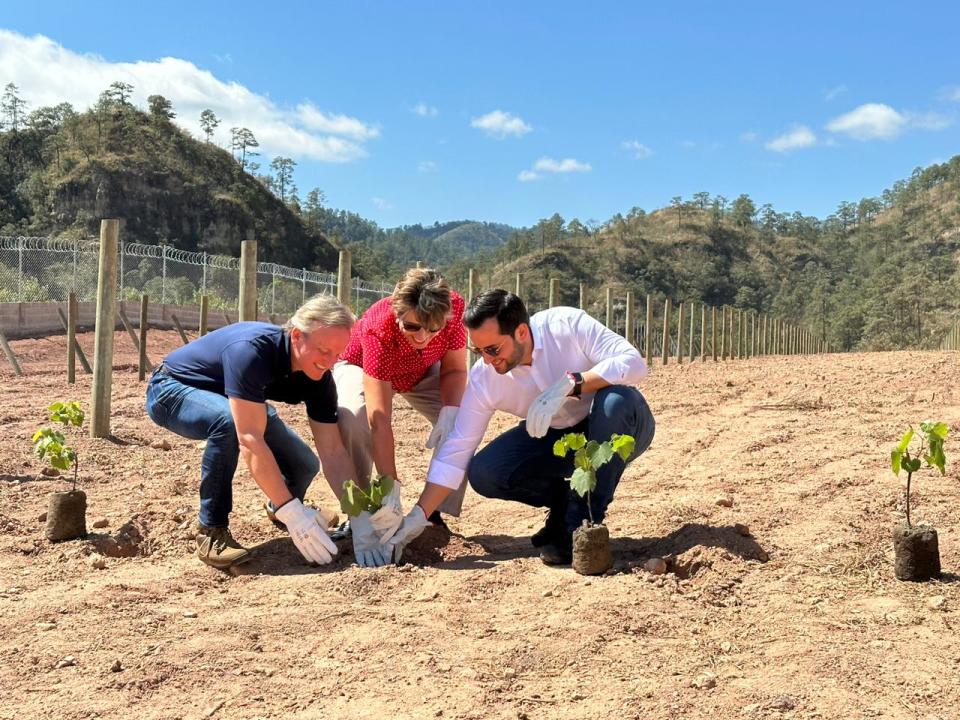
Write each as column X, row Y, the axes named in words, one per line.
column 517, row 467
column 204, row 415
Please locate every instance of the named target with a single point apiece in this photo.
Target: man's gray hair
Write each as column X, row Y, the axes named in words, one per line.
column 320, row 311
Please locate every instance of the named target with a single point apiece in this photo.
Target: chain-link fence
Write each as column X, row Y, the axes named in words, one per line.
column 40, row 269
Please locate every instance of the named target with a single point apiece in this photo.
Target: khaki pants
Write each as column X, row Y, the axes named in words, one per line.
column 355, row 428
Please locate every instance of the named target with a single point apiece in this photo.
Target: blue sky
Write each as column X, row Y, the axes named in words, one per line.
column 505, row 111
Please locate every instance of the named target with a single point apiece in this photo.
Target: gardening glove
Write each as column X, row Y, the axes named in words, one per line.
column 305, row 526
column 413, row 524
column 543, row 409
column 444, row 426
column 387, row 519
column 367, row 548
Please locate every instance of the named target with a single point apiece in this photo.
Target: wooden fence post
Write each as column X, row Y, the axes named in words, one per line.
column 142, row 360
column 103, row 335
column 204, row 312
column 666, row 331
column 554, row 298
column 703, row 332
column 248, row 280
column 515, row 292
column 628, row 320
column 11, row 358
column 609, row 318
column 583, row 296
column 681, row 316
column 723, row 332
column 71, row 338
column 343, row 278
column 693, row 308
column 648, row 332
column 713, row 332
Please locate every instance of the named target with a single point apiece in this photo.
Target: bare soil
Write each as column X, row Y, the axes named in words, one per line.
column 767, row 490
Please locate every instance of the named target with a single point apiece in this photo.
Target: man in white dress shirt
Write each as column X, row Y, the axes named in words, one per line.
column 562, row 371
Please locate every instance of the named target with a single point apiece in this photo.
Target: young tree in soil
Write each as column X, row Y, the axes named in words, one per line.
column 66, row 511
column 356, row 500
column 591, row 543
column 916, row 548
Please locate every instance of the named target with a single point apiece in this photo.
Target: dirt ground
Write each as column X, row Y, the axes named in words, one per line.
column 796, row 615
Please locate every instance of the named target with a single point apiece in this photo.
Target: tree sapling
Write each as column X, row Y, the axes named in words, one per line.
column 916, row 548
column 591, row 543
column 355, row 499
column 66, row 511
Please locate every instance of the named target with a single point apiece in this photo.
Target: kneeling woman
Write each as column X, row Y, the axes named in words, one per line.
column 411, row 343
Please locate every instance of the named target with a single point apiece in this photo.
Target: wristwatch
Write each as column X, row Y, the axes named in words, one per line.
column 577, row 379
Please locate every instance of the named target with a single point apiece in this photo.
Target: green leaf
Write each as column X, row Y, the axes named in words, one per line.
column 601, row 455
column 905, row 440
column 895, row 457
column 350, row 501
column 911, row 465
column 575, row 440
column 61, row 462
column 623, row 445
column 386, row 484
column 560, row 448
column 583, row 481
column 938, row 429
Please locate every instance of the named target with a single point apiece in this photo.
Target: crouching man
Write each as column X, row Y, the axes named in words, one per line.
column 216, row 389
column 562, row 371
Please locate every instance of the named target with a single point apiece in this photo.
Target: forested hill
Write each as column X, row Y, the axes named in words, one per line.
column 879, row 273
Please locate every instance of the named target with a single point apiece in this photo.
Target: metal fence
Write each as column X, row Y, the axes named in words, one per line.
column 38, row 269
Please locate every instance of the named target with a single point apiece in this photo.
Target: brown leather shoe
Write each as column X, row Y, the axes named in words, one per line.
column 217, row 548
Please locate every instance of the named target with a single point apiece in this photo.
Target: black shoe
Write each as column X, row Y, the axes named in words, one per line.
column 553, row 528
column 557, row 553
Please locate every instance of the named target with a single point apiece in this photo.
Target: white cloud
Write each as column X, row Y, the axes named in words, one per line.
column 381, row 204
column 47, row 74
column 799, row 136
column 551, row 166
column 424, row 110
column 871, row 121
column 950, row 94
column 639, row 150
column 749, row 136
column 834, row 92
column 427, row 166
column 501, row 124
column 928, row 121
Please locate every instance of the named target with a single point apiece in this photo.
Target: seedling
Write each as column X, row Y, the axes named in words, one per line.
column 355, row 499
column 589, row 457
column 932, row 436
column 51, row 444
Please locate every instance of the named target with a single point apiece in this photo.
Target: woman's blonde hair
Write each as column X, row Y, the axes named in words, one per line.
column 426, row 292
column 320, row 311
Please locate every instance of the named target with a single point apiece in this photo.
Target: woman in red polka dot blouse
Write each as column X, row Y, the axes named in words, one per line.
column 413, row 343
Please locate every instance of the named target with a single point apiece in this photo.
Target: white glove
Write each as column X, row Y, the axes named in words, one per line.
column 387, row 519
column 306, row 530
column 413, row 524
column 445, row 423
column 367, row 548
column 543, row 409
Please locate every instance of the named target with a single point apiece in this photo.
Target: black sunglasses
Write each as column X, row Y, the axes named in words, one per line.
column 491, row 350
column 412, row 327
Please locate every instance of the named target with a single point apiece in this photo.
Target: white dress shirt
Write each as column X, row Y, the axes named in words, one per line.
column 564, row 340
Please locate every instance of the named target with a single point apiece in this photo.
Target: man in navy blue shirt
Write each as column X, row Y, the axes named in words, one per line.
column 216, row 388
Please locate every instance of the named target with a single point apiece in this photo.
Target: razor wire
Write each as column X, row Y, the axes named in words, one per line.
column 47, row 269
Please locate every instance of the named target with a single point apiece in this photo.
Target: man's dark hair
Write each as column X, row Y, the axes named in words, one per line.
column 503, row 305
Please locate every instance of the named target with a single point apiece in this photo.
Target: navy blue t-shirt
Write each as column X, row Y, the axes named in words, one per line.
column 251, row 361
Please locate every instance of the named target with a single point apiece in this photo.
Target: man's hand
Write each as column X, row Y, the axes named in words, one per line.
column 543, row 409
column 306, row 531
column 367, row 548
column 387, row 519
column 413, row 524
column 444, row 426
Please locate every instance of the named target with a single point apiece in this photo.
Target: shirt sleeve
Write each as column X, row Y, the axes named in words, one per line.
column 322, row 400
column 449, row 466
column 615, row 359
column 246, row 373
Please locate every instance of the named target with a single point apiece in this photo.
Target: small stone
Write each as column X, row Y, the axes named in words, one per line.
column 655, row 566
column 427, row 598
column 509, row 672
column 189, row 614
column 97, row 562
column 706, row 681
column 726, row 646
column 723, row 501
column 101, row 523
column 547, row 593
column 42, row 517
column 44, row 626
column 937, row 602
column 742, row 529
column 161, row 445
column 116, row 667
column 68, row 661
column 50, row 472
